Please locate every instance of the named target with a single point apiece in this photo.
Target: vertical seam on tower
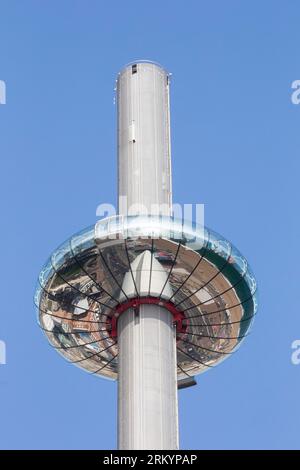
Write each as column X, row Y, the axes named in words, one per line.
column 155, row 140
column 168, row 131
column 140, row 158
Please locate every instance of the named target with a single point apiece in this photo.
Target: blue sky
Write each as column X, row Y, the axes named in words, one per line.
column 235, row 148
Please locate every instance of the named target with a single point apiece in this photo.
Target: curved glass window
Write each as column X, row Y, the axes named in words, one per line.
column 206, row 279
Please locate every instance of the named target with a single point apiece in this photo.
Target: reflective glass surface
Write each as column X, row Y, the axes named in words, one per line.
column 202, row 274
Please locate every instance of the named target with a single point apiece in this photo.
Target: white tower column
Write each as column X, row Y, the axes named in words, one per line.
column 144, row 154
column 147, row 383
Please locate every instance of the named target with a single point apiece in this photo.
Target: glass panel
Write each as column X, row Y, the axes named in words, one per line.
column 46, row 273
column 250, row 279
column 238, row 261
column 218, row 245
column 95, row 276
column 115, row 261
column 83, row 240
column 62, row 256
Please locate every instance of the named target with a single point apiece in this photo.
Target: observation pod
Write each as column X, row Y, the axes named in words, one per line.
column 146, row 299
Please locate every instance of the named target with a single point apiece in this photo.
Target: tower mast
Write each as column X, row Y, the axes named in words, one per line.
column 147, row 377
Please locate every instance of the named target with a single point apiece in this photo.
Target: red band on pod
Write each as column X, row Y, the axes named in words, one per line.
column 178, row 315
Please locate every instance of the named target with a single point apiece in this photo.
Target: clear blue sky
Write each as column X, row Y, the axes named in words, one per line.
column 235, row 146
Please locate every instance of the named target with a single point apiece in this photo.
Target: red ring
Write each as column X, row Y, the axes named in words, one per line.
column 178, row 315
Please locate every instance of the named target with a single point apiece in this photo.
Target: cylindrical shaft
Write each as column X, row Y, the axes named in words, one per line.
column 147, row 381
column 147, row 376
column 144, row 160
